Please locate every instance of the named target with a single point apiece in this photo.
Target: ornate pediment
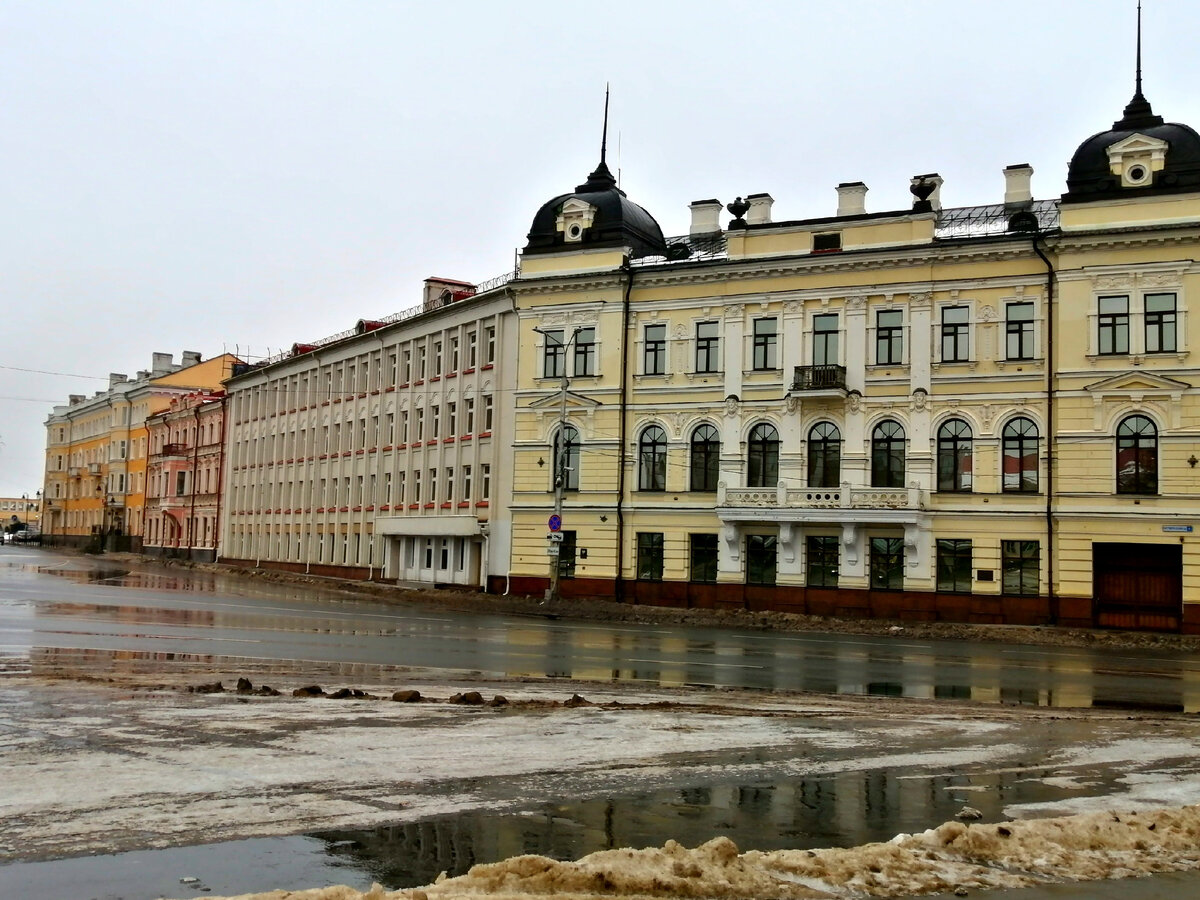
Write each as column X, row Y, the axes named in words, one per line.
column 574, row 219
column 1136, row 158
column 1139, row 382
column 554, row 401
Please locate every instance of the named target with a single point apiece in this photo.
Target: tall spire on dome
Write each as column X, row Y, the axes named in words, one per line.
column 1138, row 113
column 601, row 179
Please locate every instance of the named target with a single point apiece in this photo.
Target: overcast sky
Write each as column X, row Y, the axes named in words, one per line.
column 204, row 175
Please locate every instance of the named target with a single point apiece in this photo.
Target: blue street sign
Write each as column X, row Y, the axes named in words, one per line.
column 1181, row 529
column 555, row 522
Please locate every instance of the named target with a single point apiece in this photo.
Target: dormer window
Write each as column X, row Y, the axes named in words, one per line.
column 1136, row 158
column 574, row 219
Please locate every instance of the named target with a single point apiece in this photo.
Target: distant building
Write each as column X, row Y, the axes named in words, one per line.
column 96, row 449
column 23, row 510
column 371, row 454
column 184, row 469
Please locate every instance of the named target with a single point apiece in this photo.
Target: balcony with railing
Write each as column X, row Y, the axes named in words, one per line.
column 820, row 380
column 839, row 501
column 177, row 450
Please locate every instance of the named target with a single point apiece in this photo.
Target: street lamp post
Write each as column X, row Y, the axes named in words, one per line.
column 553, row 592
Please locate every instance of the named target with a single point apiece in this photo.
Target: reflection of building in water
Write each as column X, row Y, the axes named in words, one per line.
column 843, row 809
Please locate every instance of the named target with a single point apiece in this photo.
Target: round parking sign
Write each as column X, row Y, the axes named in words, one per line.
column 555, row 522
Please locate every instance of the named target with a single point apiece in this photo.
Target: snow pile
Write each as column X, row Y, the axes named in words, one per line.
column 1013, row 854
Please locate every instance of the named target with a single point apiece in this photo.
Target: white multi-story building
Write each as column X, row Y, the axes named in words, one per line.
column 370, row 454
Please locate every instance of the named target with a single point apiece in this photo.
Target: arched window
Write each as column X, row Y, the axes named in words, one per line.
column 652, row 460
column 1020, row 440
column 566, row 466
column 1137, row 456
column 763, row 456
column 706, row 454
column 887, row 455
column 824, row 455
column 954, row 446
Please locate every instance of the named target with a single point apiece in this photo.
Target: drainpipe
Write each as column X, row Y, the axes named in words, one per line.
column 195, row 462
column 220, row 479
column 1050, row 427
column 619, row 586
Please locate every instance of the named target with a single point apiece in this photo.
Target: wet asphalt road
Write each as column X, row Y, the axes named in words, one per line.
column 51, row 603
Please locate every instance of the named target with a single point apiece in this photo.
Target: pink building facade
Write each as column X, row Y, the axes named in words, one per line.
column 183, row 477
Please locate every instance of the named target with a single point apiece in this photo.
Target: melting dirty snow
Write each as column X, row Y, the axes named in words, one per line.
column 1015, row 854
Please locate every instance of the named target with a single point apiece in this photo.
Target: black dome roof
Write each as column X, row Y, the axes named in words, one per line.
column 617, row 221
column 1090, row 178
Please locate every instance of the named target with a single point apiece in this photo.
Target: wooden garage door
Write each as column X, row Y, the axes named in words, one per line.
column 1138, row 586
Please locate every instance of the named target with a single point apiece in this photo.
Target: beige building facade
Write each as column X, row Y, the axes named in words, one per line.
column 374, row 453
column 975, row 414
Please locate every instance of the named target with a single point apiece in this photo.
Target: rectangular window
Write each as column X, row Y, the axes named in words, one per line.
column 472, row 341
column 708, row 347
column 454, row 354
column 566, row 554
column 703, row 558
column 401, row 483
column 887, row 564
column 825, row 340
column 954, row 566
column 180, row 483
column 1020, row 563
column 435, row 422
column 487, row 412
column 654, row 350
column 420, row 425
column 416, row 486
column 553, row 354
column 956, row 344
column 889, row 337
column 451, row 419
column 421, row 362
column 827, row 241
column 449, row 495
column 406, row 367
column 649, row 556
column 760, row 558
column 437, row 357
column 485, row 489
column 470, row 415
column 585, row 351
column 1160, row 323
column 765, row 339
column 1113, row 326
column 466, row 484
column 433, row 492
column 822, row 561
column 1019, row 331
column 490, row 336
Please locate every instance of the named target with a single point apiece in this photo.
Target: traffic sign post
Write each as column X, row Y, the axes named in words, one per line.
column 552, row 550
column 555, row 523
column 555, row 536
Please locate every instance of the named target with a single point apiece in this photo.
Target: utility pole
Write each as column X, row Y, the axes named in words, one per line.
column 560, row 470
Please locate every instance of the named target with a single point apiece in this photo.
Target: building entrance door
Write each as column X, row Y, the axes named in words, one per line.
column 1138, row 586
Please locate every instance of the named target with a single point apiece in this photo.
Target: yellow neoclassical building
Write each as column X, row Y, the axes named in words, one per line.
column 976, row 414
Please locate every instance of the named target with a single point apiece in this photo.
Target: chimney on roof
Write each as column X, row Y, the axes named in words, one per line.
column 760, row 209
column 935, row 198
column 190, row 358
column 706, row 217
column 852, row 198
column 162, row 364
column 1018, row 192
column 74, row 399
column 115, row 378
column 142, row 375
